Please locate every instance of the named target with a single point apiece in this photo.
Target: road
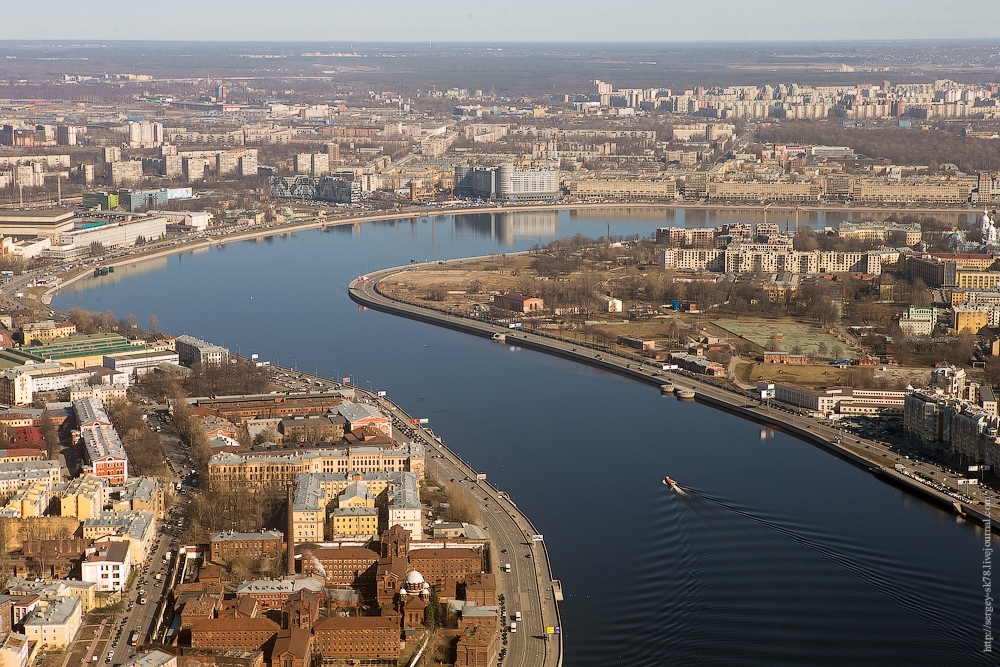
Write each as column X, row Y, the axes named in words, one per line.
column 111, row 646
column 528, row 586
column 878, row 456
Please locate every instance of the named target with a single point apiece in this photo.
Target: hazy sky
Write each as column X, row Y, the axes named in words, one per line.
column 500, row 20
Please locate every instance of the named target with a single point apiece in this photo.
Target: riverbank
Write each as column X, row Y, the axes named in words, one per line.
column 595, row 208
column 870, row 455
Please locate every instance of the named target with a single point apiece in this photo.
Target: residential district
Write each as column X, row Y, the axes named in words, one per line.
column 356, row 556
column 387, row 149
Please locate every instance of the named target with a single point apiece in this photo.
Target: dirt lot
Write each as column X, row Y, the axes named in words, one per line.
column 808, row 338
column 825, row 375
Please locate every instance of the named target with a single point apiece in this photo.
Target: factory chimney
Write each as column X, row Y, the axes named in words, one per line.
column 289, row 536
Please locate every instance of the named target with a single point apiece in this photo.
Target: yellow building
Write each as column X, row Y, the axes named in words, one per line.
column 46, row 330
column 977, row 280
column 888, row 193
column 970, row 319
column 759, row 191
column 354, row 521
column 56, row 623
column 625, row 189
column 85, row 497
column 31, row 501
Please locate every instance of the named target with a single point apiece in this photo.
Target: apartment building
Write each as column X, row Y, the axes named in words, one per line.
column 84, row 497
column 665, row 189
column 54, row 623
column 135, row 526
column 105, row 454
column 19, row 475
column 757, row 191
column 881, row 232
column 191, row 350
column 281, row 469
column 109, row 567
column 31, row 500
column 886, row 193
column 396, row 493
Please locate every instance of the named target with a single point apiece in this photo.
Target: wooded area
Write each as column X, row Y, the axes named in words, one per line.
column 900, row 146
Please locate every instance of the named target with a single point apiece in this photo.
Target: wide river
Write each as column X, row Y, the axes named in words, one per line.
column 783, row 554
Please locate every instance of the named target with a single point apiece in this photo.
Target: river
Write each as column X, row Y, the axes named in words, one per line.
column 782, row 554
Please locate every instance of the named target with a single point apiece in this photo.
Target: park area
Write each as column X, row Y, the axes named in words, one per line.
column 796, row 337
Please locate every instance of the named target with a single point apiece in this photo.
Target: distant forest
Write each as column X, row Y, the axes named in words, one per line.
column 915, row 147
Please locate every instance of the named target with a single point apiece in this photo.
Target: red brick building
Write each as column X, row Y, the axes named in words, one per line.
column 518, row 303
column 234, row 634
column 346, row 566
column 292, row 648
column 227, row 545
column 786, row 358
column 357, row 637
column 481, row 589
column 444, row 568
column 476, row 647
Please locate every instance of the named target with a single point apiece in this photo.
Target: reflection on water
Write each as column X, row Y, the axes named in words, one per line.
column 508, row 228
column 123, row 272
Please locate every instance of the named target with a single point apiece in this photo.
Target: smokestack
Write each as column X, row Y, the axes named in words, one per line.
column 289, row 533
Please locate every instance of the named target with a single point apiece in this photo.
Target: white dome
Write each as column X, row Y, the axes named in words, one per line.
column 414, row 580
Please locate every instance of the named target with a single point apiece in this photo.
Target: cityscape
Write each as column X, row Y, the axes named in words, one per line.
column 621, row 351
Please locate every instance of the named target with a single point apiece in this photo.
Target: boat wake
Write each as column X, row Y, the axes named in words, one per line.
column 855, row 563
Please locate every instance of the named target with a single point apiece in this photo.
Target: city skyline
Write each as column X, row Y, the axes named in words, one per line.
column 771, row 20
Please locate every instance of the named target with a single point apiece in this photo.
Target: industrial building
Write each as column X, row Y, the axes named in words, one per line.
column 325, row 188
column 111, row 230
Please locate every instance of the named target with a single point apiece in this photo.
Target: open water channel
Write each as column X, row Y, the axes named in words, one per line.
column 783, row 554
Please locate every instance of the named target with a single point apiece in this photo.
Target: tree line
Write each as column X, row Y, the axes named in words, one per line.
column 897, row 145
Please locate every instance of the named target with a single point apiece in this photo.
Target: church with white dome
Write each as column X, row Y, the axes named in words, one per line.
column 988, row 229
column 414, row 585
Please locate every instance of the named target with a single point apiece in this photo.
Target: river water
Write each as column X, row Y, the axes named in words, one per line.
column 782, row 554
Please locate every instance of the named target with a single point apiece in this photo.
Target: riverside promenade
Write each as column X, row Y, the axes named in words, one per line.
column 873, row 456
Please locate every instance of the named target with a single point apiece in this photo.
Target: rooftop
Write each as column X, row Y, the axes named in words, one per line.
column 246, row 537
column 57, row 612
column 102, row 442
column 260, row 586
column 84, row 345
column 353, row 412
column 90, row 411
column 110, row 552
column 151, row 659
